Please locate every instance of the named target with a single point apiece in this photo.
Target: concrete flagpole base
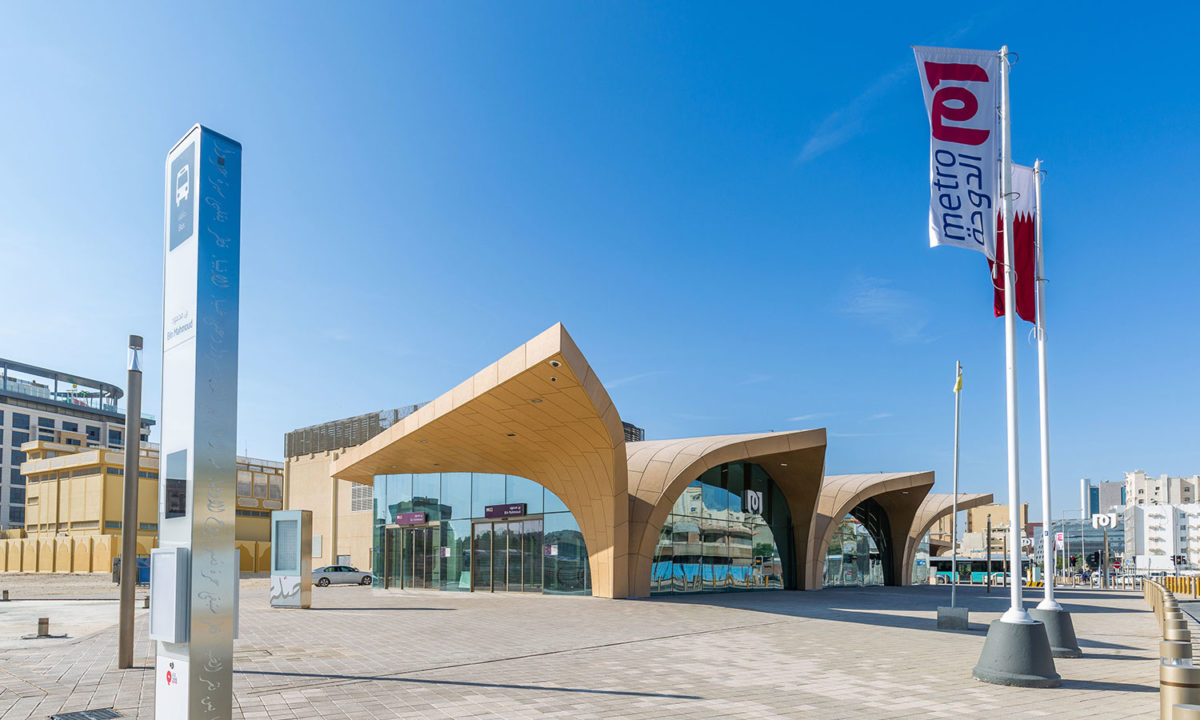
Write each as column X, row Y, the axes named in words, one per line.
column 1060, row 631
column 1017, row 654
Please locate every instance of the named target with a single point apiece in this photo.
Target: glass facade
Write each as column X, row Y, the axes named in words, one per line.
column 454, row 546
column 729, row 530
column 857, row 554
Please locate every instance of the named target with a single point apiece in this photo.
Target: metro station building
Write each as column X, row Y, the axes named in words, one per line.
column 521, row 479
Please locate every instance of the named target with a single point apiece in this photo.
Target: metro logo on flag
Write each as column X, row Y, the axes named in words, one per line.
column 1024, row 234
column 962, row 94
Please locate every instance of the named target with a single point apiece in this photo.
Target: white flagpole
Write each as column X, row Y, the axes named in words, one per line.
column 1048, row 603
column 954, row 500
column 1016, row 612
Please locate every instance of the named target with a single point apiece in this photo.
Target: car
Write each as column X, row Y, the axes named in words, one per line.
column 331, row 574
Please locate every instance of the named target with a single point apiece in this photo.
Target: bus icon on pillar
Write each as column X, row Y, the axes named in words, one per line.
column 183, row 184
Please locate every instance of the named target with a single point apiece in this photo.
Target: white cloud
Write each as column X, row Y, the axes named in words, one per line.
column 808, row 416
column 849, row 121
column 899, row 312
column 633, row 378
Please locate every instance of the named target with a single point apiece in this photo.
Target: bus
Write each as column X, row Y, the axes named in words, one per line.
column 972, row 570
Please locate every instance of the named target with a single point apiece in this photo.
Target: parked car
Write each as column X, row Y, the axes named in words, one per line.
column 331, row 574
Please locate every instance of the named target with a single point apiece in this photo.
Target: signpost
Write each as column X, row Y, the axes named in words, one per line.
column 197, row 485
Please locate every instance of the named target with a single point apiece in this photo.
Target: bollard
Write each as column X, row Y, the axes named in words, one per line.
column 4, row 596
column 1178, row 685
column 1186, row 712
column 1174, row 652
column 1176, row 624
column 146, row 603
column 1174, row 634
column 43, row 627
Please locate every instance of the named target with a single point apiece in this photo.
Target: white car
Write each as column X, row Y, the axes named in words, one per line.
column 183, row 185
column 331, row 574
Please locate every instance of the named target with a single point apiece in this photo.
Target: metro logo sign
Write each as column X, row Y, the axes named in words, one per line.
column 962, row 95
column 968, row 104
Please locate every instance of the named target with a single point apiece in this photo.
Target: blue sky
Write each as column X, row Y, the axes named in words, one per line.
column 724, row 204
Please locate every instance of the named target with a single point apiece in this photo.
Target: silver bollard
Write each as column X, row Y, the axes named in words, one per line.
column 43, row 627
column 1176, row 634
column 146, row 603
column 1178, row 685
column 1175, row 652
column 1185, row 712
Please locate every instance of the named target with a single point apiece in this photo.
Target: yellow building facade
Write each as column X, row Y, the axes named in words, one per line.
column 74, row 506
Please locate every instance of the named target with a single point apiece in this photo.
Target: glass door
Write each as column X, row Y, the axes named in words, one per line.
column 531, row 556
column 393, row 558
column 481, row 557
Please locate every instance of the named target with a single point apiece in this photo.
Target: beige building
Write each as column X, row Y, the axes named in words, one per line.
column 524, row 478
column 977, row 517
column 74, row 505
column 1140, row 489
column 342, row 511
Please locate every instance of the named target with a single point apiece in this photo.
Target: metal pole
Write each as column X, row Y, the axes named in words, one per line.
column 954, row 500
column 1016, row 612
column 1048, row 602
column 129, row 517
column 988, row 573
column 1104, row 577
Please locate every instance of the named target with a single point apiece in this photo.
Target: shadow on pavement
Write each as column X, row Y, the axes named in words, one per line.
column 465, row 683
column 912, row 607
column 1101, row 685
column 377, row 609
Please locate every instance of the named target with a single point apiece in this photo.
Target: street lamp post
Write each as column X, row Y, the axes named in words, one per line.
column 129, row 522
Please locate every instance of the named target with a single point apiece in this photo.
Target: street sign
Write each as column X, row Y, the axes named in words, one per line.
column 197, row 486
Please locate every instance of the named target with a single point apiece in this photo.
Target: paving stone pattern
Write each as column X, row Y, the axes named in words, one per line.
column 839, row 653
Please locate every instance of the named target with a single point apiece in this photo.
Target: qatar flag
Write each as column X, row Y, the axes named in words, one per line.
column 1024, row 231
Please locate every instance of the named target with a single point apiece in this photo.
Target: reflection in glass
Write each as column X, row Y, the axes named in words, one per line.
column 712, row 541
column 481, row 557
column 426, row 492
column 456, row 555
column 486, row 489
column 565, row 560
column 458, row 550
column 853, row 558
column 521, row 490
column 531, row 556
column 456, row 496
column 553, row 504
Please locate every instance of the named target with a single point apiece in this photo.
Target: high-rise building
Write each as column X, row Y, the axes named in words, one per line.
column 1100, row 498
column 1162, row 536
column 1140, row 489
column 633, row 433
column 35, row 402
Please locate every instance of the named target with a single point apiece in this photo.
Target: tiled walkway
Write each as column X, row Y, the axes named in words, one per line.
column 869, row 653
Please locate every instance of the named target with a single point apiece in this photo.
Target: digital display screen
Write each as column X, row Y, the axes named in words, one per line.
column 175, row 485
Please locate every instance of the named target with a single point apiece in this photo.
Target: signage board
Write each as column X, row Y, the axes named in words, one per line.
column 503, row 511
column 198, row 422
column 753, row 502
column 291, row 558
column 411, row 518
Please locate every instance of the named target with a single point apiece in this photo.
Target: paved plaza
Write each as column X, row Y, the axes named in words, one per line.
column 363, row 653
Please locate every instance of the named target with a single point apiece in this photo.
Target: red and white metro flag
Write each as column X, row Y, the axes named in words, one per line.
column 962, row 97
